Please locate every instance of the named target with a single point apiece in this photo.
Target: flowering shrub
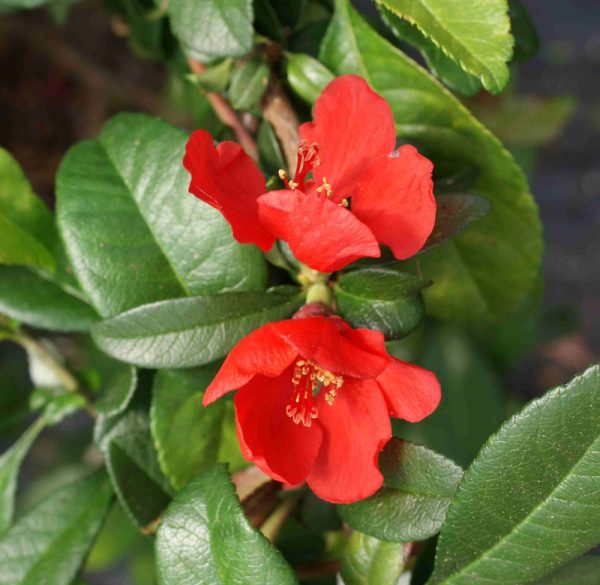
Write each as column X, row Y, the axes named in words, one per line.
column 280, row 319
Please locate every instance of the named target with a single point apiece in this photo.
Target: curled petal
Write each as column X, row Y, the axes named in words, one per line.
column 227, row 178
column 268, row 437
column 411, row 392
column 322, row 234
column 353, row 126
column 395, row 199
column 355, row 430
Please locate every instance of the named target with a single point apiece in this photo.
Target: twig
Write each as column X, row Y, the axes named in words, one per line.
column 226, row 114
column 278, row 111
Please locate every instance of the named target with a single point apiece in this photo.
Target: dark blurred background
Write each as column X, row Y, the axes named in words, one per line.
column 61, row 82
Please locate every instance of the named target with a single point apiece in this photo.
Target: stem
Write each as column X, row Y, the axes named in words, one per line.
column 67, row 380
column 227, row 115
column 275, row 521
column 278, row 111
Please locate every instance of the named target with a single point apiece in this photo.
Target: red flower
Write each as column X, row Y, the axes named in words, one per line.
column 363, row 192
column 314, row 402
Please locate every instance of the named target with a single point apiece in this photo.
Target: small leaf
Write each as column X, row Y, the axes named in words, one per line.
column 205, row 539
column 474, row 34
column 529, row 502
column 412, row 504
column 133, row 467
column 211, row 29
column 49, row 543
column 213, row 78
column 369, row 561
column 117, row 391
column 190, row 332
column 307, row 76
column 383, row 299
column 270, row 149
column 38, row 302
column 134, row 233
column 453, row 214
column 248, row 84
column 186, row 433
column 56, row 403
column 10, row 463
column 582, row 571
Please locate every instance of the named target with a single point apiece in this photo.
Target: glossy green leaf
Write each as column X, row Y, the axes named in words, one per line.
column 529, row 502
column 582, row 571
column 36, row 301
column 442, row 66
column 248, row 84
column 49, row 543
column 19, row 247
column 453, row 214
column 117, row 391
column 205, row 539
column 215, row 77
column 186, row 434
column 412, row 504
column 369, row 561
column 383, row 299
column 473, row 402
column 210, row 29
column 133, row 467
column 191, row 332
column 270, row 149
column 10, row 463
column 134, row 233
column 56, row 403
column 307, row 76
column 487, row 271
column 474, row 34
column 527, row 41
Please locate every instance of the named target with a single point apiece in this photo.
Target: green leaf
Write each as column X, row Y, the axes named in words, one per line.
column 486, row 272
column 10, row 5
column 453, row 214
column 529, row 502
column 269, row 148
column 473, row 402
column 133, row 232
column 205, row 539
column 26, row 225
column 191, row 332
column 117, row 391
column 132, row 464
column 49, row 543
column 211, row 29
column 383, row 299
column 10, row 463
column 412, row 504
column 475, row 34
column 527, row 41
column 214, row 78
column 306, row 76
column 442, row 66
column 369, row 561
column 56, row 403
column 186, row 434
column 248, row 84
column 582, row 571
column 31, row 299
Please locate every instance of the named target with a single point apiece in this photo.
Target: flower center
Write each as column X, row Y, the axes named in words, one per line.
column 307, row 379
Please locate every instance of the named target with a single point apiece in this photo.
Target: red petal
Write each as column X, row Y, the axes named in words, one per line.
column 349, row 352
column 395, row 199
column 264, row 352
column 320, row 233
column 352, row 125
column 411, row 392
column 355, row 429
column 282, row 449
column 227, row 178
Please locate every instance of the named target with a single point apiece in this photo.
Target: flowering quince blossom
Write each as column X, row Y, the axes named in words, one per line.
column 363, row 191
column 314, row 402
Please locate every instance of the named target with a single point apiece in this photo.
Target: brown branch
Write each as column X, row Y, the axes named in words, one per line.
column 226, row 114
column 278, row 111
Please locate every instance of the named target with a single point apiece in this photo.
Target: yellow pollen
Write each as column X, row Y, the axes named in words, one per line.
column 306, row 379
column 325, row 187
